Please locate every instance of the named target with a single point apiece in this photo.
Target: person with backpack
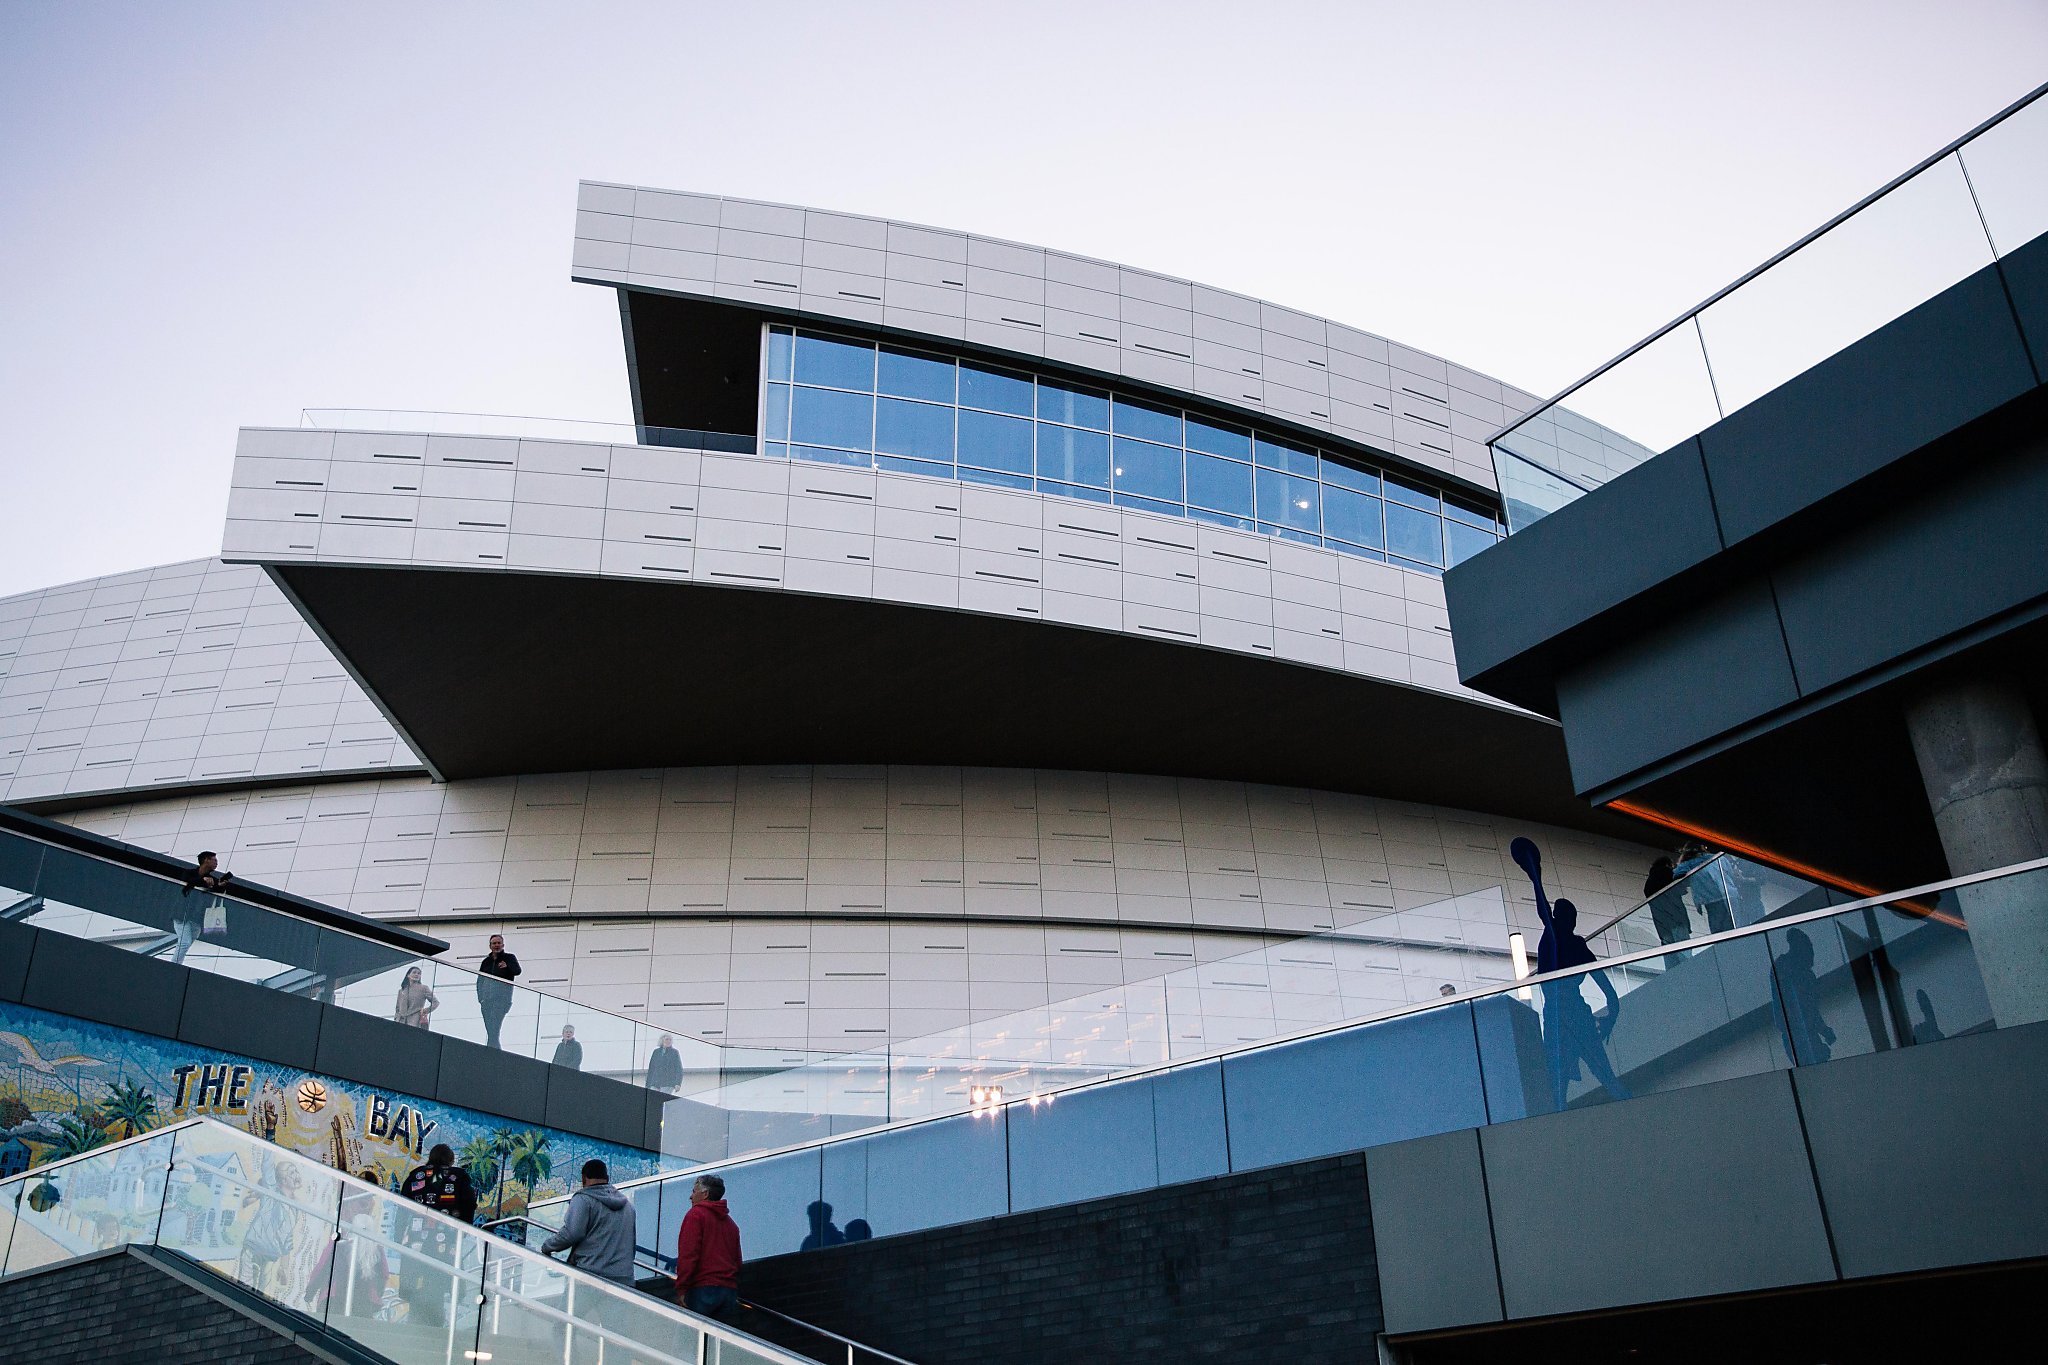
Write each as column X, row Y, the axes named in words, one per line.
column 445, row 1187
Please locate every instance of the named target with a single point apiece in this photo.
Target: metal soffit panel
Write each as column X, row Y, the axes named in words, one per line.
column 499, row 674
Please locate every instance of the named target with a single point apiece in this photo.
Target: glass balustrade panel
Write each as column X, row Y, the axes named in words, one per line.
column 99, row 1202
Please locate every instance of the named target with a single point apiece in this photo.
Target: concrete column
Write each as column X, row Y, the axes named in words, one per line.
column 1986, row 775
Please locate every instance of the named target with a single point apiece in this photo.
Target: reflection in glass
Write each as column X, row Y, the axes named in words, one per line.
column 1147, row 470
column 1288, row 500
column 1289, row 458
column 1214, row 438
column 982, row 386
column 1414, row 535
column 1072, row 456
column 993, row 442
column 920, row 430
column 1148, row 422
column 909, row 374
column 1223, row 485
column 1073, row 406
column 1352, row 517
column 835, row 363
column 830, row 418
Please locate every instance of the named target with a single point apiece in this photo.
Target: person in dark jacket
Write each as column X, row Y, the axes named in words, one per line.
column 569, row 1052
column 601, row 1229
column 443, row 1186
column 1667, row 908
column 190, row 916
column 495, row 975
column 665, row 1066
column 708, row 1253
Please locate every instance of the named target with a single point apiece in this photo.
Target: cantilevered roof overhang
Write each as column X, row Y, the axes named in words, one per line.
column 491, row 674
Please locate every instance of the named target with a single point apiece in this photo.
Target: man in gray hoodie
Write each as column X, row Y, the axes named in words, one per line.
column 599, row 1232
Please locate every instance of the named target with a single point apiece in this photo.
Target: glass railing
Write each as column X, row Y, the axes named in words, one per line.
column 1722, row 892
column 1890, row 972
column 1976, row 202
column 398, row 1280
column 410, row 420
column 68, row 892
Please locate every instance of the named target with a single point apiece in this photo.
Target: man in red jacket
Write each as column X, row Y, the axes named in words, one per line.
column 708, row 1253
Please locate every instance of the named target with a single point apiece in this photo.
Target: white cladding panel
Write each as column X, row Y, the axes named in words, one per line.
column 831, row 907
column 650, row 512
column 1236, row 351
column 198, row 672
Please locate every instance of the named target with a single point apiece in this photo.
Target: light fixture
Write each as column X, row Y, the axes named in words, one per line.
column 1302, row 503
column 1518, row 953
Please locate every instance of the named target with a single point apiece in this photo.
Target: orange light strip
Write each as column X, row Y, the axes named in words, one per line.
column 1779, row 861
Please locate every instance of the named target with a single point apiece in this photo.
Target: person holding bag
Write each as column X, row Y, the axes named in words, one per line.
column 209, row 914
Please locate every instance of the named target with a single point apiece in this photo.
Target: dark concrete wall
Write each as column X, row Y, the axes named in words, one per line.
column 121, row 1310
column 66, row 975
column 1267, row 1265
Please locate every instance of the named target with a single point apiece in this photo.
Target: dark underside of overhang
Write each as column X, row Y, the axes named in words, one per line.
column 491, row 674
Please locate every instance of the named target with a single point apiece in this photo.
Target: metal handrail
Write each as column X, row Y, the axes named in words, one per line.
column 696, row 1321
column 659, row 1270
column 1830, row 225
column 1398, row 1012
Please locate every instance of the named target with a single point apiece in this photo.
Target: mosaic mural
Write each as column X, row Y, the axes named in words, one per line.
column 68, row 1085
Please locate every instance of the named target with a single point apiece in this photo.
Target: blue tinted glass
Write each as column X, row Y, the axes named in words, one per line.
column 968, row 475
column 1073, row 456
column 1147, row 470
column 1073, row 490
column 1288, row 533
column 1404, row 1078
column 777, row 412
column 910, row 375
column 1351, row 516
column 1291, row 458
column 778, row 353
column 1472, row 514
column 824, row 456
column 1344, row 476
column 1190, row 1137
column 1078, row 407
column 1358, row 550
column 828, row 418
column 1222, row 485
column 1218, row 440
column 1465, row 541
column 1411, row 492
column 776, row 1194
column 926, row 1176
column 1147, row 423
column 1111, row 1124
column 776, row 449
column 1219, row 519
column 1287, row 500
column 997, row 390
column 924, row 467
column 1164, row 509
column 1414, row 535
column 994, row 442
column 923, row 430
column 841, row 364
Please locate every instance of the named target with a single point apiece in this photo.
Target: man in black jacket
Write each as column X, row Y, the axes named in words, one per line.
column 494, row 987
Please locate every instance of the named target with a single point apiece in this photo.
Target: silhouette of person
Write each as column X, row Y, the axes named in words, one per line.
column 1928, row 1029
column 858, row 1230
column 1571, row 1034
column 1806, row 1032
column 823, row 1233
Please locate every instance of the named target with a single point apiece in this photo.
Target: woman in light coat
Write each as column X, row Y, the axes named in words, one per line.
column 416, row 1000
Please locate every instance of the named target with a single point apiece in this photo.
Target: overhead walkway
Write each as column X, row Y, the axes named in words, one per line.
column 325, row 1258
column 1792, row 991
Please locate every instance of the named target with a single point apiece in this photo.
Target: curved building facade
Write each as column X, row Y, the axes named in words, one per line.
column 963, row 628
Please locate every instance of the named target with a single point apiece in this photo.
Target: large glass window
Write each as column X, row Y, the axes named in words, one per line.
column 1147, row 470
column 921, row 430
column 834, row 363
column 991, row 441
column 1073, row 456
column 843, row 401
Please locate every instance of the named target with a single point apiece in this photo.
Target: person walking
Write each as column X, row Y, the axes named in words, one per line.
column 600, row 1232
column 665, row 1066
column 495, row 975
column 190, row 916
column 445, row 1187
column 569, row 1052
column 416, row 1000
column 708, row 1253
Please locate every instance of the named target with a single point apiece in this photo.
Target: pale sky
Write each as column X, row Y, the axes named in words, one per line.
column 216, row 214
